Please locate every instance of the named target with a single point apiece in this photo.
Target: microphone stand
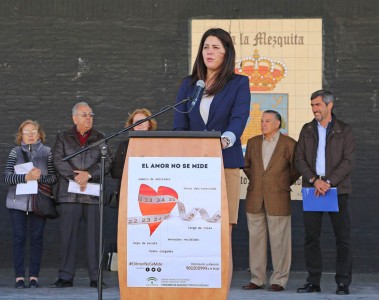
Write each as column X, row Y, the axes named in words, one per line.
column 104, row 149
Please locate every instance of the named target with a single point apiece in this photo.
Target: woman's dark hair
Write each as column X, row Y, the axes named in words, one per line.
column 226, row 72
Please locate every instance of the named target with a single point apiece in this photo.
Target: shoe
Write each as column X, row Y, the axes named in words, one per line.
column 275, row 288
column 61, row 283
column 342, row 289
column 33, row 283
column 93, row 283
column 20, row 284
column 309, row 288
column 251, row 286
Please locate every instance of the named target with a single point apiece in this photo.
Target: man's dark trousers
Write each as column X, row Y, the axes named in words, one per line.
column 341, row 226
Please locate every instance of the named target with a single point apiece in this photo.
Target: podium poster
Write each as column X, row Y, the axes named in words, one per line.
column 174, row 222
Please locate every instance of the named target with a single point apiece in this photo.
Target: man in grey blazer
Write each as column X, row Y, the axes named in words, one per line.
column 270, row 168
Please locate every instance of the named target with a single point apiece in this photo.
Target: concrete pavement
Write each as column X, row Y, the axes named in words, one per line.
column 364, row 286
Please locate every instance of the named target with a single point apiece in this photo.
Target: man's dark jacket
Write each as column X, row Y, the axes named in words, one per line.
column 339, row 154
column 68, row 143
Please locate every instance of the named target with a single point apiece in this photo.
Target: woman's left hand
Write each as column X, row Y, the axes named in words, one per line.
column 34, row 174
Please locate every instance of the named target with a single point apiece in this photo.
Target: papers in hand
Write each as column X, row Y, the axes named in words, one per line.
column 311, row 202
column 92, row 189
column 31, row 187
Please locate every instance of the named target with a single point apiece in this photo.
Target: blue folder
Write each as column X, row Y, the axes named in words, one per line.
column 329, row 202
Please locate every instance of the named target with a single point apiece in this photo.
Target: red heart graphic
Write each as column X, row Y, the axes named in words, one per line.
column 156, row 208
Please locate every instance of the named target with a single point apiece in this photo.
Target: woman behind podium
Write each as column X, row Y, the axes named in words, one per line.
column 224, row 107
column 135, row 116
column 119, row 159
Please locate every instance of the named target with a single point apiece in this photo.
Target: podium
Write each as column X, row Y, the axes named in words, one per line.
column 172, row 267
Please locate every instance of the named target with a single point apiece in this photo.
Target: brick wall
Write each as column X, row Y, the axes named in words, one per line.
column 126, row 54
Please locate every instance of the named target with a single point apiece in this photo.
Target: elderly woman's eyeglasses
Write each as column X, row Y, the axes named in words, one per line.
column 85, row 115
column 28, row 132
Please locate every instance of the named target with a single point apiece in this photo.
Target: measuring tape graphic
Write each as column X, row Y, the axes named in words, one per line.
column 157, row 206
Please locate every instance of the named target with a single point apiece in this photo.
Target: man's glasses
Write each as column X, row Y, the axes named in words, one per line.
column 85, row 115
column 28, row 132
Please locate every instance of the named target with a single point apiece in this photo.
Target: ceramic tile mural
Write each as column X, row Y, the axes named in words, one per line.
column 283, row 60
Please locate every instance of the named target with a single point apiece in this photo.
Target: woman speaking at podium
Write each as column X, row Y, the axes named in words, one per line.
column 224, row 106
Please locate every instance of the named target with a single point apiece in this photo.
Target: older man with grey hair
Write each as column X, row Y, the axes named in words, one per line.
column 73, row 207
column 270, row 168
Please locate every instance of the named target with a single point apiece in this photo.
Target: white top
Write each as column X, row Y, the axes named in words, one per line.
column 205, row 105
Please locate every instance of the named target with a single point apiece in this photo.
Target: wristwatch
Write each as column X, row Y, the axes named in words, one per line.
column 312, row 180
column 227, row 140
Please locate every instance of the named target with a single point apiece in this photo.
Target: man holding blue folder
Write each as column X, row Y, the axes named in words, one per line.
column 324, row 156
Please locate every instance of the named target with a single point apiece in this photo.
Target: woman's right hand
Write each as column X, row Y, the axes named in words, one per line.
column 34, row 174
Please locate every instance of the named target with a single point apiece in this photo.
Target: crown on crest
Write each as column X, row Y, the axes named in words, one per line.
column 263, row 72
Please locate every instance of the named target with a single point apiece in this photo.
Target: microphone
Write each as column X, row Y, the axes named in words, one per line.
column 199, row 89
